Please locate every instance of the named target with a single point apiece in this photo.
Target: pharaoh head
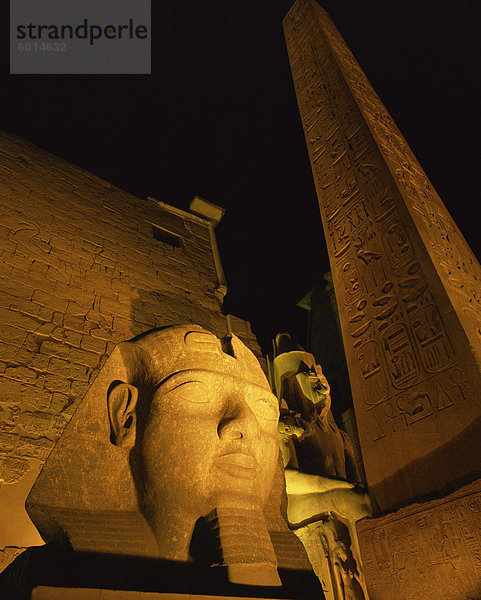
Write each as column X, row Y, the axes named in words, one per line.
column 177, row 423
column 299, row 380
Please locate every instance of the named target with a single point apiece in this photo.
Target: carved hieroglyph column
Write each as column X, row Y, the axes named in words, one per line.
column 406, row 282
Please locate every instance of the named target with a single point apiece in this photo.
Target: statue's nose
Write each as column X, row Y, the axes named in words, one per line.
column 238, row 422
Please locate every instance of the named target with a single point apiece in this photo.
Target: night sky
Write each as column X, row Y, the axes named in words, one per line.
column 218, row 118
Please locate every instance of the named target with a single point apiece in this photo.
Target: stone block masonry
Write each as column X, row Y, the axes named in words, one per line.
column 83, row 266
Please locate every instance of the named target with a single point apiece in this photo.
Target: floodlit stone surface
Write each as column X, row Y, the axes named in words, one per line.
column 425, row 551
column 406, row 282
column 323, row 506
column 313, row 442
column 81, row 270
column 178, row 426
column 206, row 209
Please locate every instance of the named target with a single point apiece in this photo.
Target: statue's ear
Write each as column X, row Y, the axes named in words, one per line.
column 121, row 403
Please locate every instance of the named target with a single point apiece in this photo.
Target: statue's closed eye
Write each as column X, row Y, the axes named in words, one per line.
column 200, row 393
column 196, row 391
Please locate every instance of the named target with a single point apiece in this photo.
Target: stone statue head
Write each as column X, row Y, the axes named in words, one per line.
column 299, row 379
column 201, row 425
column 178, row 424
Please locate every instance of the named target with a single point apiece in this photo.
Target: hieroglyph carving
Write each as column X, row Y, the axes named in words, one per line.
column 407, row 285
column 426, row 551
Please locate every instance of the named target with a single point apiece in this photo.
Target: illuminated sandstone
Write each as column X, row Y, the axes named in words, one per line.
column 178, row 424
column 409, row 299
column 323, row 506
column 406, row 282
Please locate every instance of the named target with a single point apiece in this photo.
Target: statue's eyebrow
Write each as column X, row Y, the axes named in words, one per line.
column 175, row 387
column 184, row 383
column 169, row 378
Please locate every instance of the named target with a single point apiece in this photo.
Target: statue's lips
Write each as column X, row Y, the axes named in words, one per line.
column 238, row 464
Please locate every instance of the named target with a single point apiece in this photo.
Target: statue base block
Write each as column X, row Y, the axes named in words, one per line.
column 426, row 550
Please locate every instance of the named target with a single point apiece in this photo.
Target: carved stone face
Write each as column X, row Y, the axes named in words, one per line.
column 209, row 435
column 178, row 425
column 314, row 385
column 201, row 423
column 302, row 383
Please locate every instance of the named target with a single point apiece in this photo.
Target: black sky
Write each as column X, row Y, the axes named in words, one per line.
column 218, row 118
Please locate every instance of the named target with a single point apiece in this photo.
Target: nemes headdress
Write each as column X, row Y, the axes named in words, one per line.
column 85, row 491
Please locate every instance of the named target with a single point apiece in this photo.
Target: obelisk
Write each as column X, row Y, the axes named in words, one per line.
column 407, row 284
